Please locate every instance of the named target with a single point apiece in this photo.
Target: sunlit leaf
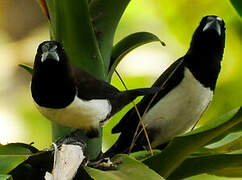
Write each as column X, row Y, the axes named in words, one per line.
column 230, row 143
column 11, row 155
column 70, row 24
column 27, row 68
column 182, row 146
column 105, row 16
column 222, row 165
column 129, row 169
column 5, row 177
column 237, row 5
column 127, row 44
column 9, row 162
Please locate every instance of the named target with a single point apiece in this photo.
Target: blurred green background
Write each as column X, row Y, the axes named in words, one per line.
column 23, row 27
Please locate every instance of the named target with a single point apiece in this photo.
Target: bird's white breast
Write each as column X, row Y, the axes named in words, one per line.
column 79, row 114
column 179, row 110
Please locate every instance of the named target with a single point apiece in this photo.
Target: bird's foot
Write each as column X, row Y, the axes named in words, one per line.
column 105, row 164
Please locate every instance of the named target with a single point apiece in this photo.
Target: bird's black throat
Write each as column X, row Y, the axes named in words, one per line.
column 204, row 68
column 52, row 84
column 205, row 55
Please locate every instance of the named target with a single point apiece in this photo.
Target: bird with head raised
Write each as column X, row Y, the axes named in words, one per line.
column 69, row 96
column 187, row 89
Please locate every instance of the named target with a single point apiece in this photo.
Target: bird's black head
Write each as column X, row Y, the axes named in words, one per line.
column 52, row 82
column 50, row 53
column 209, row 37
column 206, row 50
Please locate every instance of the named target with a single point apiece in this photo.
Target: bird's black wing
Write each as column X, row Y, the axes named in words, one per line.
column 89, row 87
column 128, row 124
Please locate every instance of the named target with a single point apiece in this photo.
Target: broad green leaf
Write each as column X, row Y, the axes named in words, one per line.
column 105, row 16
column 237, row 4
column 24, row 156
column 128, row 169
column 12, row 155
column 182, row 146
column 17, row 149
column 229, row 171
column 220, row 165
column 229, row 144
column 5, row 177
column 236, row 129
column 230, row 138
column 210, row 177
column 126, row 45
column 70, row 24
column 27, row 68
column 9, row 162
column 142, row 155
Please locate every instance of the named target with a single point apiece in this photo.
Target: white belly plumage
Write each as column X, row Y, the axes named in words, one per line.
column 79, row 114
column 179, row 110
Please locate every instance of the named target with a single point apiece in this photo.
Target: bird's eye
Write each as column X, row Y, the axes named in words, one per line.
column 53, row 48
column 45, row 48
column 209, row 18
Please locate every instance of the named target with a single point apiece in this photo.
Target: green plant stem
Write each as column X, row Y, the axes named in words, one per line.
column 70, row 24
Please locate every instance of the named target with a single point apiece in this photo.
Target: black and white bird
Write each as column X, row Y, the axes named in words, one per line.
column 188, row 88
column 67, row 95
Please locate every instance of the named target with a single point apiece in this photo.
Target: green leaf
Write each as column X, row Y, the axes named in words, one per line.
column 220, row 165
column 70, row 24
column 236, row 129
column 5, row 177
column 27, row 68
column 126, row 45
column 129, row 169
column 142, row 155
column 237, row 4
column 105, row 16
column 10, row 162
column 12, row 155
column 231, row 143
column 182, row 146
column 17, row 149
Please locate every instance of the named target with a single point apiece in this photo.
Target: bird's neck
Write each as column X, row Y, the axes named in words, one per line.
column 53, row 90
column 204, row 66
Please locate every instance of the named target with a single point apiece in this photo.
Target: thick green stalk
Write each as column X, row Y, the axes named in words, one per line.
column 70, row 24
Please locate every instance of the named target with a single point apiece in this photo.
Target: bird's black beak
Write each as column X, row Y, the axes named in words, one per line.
column 213, row 24
column 49, row 51
column 50, row 55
